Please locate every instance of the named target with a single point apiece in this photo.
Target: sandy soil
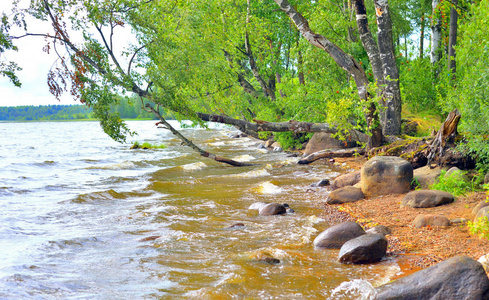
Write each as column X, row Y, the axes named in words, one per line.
column 416, row 248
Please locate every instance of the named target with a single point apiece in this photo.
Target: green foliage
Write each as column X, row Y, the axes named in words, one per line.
column 291, row 140
column 453, row 184
column 146, row 145
column 470, row 95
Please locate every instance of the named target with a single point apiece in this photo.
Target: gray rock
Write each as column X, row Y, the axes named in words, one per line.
column 426, row 176
column 364, row 249
column 431, row 220
column 379, row 229
column 384, row 175
column 257, row 205
column 480, row 205
column 458, row 278
column 483, row 212
column 272, row 209
column 426, row 198
column 335, row 236
column 344, row 195
column 456, row 173
column 348, row 179
column 322, row 182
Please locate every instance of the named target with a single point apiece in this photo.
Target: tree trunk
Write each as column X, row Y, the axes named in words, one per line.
column 345, row 61
column 452, row 63
column 292, row 125
column 392, row 92
column 368, row 41
column 447, row 132
column 331, row 154
column 435, row 53
column 421, row 37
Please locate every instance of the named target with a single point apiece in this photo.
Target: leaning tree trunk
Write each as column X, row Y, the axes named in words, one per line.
column 452, row 63
column 345, row 61
column 391, row 116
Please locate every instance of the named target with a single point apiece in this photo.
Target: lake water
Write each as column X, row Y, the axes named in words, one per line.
column 84, row 217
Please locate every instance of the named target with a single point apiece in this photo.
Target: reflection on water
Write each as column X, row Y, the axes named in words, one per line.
column 85, row 217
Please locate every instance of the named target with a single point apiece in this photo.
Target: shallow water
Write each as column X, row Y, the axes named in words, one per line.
column 84, row 217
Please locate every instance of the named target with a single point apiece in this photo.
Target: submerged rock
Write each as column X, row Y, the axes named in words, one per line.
column 335, row 236
column 457, row 278
column 272, row 209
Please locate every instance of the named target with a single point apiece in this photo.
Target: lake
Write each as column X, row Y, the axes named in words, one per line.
column 84, row 217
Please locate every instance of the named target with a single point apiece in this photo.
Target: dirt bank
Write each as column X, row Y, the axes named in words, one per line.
column 416, row 248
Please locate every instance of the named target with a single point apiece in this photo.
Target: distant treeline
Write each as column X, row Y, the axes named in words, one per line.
column 127, row 109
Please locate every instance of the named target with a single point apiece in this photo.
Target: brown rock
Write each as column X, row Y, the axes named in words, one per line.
column 344, row 195
column 431, row 220
column 480, row 205
column 272, row 209
column 425, row 176
column 321, row 141
column 384, row 175
column 483, row 212
column 426, row 198
column 346, row 180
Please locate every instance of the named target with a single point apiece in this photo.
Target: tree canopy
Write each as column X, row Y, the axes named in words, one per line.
column 255, row 60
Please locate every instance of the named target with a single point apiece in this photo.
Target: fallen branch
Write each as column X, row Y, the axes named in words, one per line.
column 189, row 143
column 330, row 154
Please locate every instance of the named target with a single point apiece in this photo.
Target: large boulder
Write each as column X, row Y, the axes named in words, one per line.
column 457, row 174
column 320, row 141
column 344, row 195
column 426, row 176
column 335, row 236
column 431, row 220
column 348, row 179
column 426, row 198
column 383, row 175
column 368, row 248
column 457, row 278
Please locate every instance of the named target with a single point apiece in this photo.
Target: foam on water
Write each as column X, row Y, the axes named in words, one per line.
column 194, row 166
column 119, row 166
column 252, row 174
column 268, row 188
column 244, row 158
column 354, row 289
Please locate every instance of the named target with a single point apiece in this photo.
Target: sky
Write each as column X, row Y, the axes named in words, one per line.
column 35, row 64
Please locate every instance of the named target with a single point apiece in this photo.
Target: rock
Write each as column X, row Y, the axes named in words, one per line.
column 346, row 180
column 272, row 209
column 457, row 278
column 483, row 212
column 384, row 175
column 484, row 261
column 480, row 205
column 379, row 229
column 322, row 182
column 320, row 141
column 261, row 146
column 335, row 236
column 269, row 260
column 426, row 198
column 457, row 174
column 431, row 220
column 368, row 248
column 269, row 143
column 344, row 195
column 459, row 221
column 425, row 176
column 237, row 226
column 257, row 205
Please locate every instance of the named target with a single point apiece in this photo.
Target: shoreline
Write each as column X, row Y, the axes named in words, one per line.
column 413, row 248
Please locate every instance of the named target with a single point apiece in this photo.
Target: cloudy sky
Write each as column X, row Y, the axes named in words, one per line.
column 35, row 64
